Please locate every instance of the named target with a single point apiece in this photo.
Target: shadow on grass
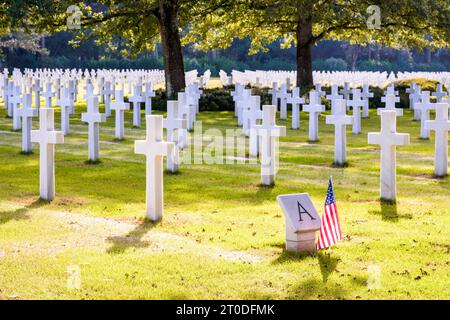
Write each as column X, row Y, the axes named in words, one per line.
column 339, row 165
column 327, row 264
column 388, row 211
column 133, row 239
column 316, row 289
column 264, row 190
column 289, row 256
column 21, row 213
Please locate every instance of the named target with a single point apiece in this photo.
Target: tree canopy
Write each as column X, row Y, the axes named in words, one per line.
column 402, row 23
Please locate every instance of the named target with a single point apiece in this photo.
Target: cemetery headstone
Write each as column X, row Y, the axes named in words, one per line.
column 47, row 137
column 340, row 120
column 302, row 222
column 269, row 133
column 441, row 126
column 154, row 148
column 388, row 139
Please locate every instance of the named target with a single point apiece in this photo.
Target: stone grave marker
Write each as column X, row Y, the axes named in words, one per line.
column 302, row 222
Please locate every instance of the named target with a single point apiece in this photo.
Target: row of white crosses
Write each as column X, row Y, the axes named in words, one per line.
column 153, row 147
column 355, row 79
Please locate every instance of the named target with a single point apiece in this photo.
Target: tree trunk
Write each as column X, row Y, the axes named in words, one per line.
column 428, row 55
column 355, row 53
column 305, row 43
column 171, row 47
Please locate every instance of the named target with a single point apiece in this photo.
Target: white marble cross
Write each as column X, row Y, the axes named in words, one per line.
column 195, row 93
column 346, row 90
column 57, row 88
column 119, row 106
column 6, row 88
column 366, row 95
column 388, row 139
column 391, row 90
column 93, row 117
column 154, row 148
column 47, row 137
column 244, row 100
column 10, row 96
column 318, row 89
column 424, row 108
column 37, row 93
column 15, row 102
column 283, row 95
column 107, row 92
column 389, row 104
column 295, row 100
column 340, row 120
column 27, row 113
column 416, row 98
column 268, row 131
column 439, row 94
column 73, row 91
column 136, row 100
column 66, row 103
column 148, row 94
column 101, row 89
column 356, row 104
column 314, row 108
column 237, row 94
column 255, row 114
column 89, row 89
column 184, row 112
column 173, row 123
column 250, row 115
column 410, row 91
column 412, row 88
column 274, row 92
column 441, row 126
column 48, row 94
column 334, row 96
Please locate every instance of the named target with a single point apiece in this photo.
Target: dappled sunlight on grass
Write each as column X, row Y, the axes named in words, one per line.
column 222, row 235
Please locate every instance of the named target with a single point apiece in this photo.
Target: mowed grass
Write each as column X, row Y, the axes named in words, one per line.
column 222, row 235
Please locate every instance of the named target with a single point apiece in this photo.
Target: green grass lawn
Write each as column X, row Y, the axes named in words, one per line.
column 222, row 235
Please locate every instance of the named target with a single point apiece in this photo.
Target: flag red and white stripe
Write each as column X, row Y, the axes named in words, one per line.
column 330, row 229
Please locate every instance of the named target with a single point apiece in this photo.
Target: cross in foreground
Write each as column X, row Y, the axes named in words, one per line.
column 268, row 131
column 93, row 118
column 340, row 121
column 154, row 148
column 388, row 139
column 47, row 137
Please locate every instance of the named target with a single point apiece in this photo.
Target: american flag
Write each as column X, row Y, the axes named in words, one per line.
column 330, row 228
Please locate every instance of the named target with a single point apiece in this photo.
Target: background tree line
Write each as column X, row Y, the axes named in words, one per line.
column 55, row 51
column 132, row 28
